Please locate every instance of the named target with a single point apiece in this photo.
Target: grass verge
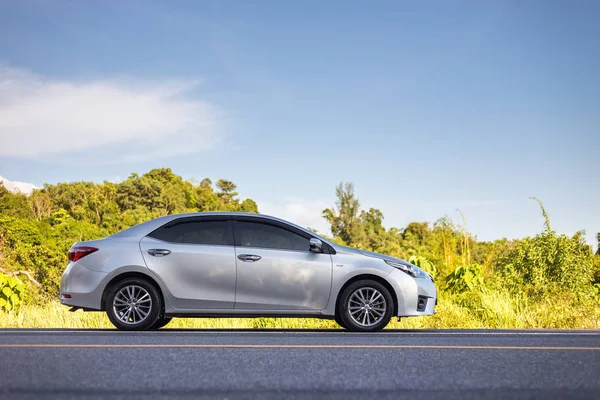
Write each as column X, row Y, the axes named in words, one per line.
column 493, row 309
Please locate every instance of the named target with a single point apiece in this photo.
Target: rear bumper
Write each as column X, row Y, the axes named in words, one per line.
column 84, row 287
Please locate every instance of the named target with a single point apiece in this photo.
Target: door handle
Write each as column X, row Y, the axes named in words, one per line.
column 249, row 257
column 159, row 252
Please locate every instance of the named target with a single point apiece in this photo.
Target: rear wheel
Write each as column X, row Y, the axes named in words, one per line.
column 365, row 306
column 161, row 322
column 133, row 304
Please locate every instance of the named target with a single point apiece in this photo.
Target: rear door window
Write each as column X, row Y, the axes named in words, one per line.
column 195, row 232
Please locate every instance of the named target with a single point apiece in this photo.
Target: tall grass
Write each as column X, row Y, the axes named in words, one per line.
column 55, row 315
column 493, row 309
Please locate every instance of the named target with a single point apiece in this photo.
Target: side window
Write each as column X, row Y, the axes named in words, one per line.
column 256, row 234
column 195, row 232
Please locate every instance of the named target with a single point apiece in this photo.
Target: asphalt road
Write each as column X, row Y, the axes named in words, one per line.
column 299, row 364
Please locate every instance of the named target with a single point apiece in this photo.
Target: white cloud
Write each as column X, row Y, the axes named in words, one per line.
column 106, row 120
column 16, row 186
column 301, row 212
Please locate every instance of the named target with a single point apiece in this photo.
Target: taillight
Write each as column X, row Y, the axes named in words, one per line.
column 78, row 252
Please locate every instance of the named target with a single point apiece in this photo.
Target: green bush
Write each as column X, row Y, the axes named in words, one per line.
column 465, row 278
column 11, row 292
column 424, row 264
column 549, row 262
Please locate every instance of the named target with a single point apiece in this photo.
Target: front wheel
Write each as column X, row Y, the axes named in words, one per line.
column 365, row 306
column 161, row 322
column 133, row 305
column 339, row 321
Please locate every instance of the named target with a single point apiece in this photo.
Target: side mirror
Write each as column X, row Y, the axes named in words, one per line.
column 316, row 245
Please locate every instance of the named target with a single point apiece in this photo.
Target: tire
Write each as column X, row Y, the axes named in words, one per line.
column 161, row 322
column 339, row 321
column 123, row 312
column 370, row 294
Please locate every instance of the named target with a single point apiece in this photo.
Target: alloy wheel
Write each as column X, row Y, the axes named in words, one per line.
column 366, row 306
column 132, row 304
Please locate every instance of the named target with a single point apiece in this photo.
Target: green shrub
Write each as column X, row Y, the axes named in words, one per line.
column 424, row 264
column 465, row 278
column 597, row 289
column 549, row 262
column 11, row 292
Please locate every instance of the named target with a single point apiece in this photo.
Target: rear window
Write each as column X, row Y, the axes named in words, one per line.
column 195, row 232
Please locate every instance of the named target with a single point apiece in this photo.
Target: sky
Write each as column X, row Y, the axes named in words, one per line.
column 427, row 107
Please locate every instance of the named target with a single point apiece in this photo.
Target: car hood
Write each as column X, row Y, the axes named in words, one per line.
column 383, row 257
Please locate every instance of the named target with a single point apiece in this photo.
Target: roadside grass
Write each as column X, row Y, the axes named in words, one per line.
column 55, row 315
column 494, row 309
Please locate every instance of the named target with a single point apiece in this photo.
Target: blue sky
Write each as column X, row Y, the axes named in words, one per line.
column 426, row 106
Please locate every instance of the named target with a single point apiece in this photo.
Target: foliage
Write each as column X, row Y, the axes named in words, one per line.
column 548, row 280
column 11, row 292
column 465, row 278
column 548, row 262
column 36, row 231
column 14, row 204
column 544, row 213
column 424, row 264
column 345, row 217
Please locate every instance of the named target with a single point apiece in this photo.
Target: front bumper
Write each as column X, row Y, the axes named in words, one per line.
column 409, row 291
column 83, row 285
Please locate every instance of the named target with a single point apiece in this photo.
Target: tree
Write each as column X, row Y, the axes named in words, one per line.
column 41, row 204
column 375, row 234
column 137, row 192
column 416, row 239
column 173, row 198
column 248, row 205
column 37, row 230
column 227, row 191
column 345, row 216
column 14, row 204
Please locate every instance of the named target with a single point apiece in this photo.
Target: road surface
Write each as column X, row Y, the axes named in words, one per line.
column 333, row 364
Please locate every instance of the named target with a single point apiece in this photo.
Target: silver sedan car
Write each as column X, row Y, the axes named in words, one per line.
column 239, row 265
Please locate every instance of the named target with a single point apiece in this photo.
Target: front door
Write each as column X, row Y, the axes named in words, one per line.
column 276, row 269
column 195, row 258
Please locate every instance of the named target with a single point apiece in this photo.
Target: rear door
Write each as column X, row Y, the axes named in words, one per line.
column 276, row 269
column 195, row 258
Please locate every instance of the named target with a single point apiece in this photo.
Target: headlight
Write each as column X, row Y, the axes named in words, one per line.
column 410, row 269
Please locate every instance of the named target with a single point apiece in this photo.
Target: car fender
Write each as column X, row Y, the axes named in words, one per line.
column 138, row 269
column 349, row 266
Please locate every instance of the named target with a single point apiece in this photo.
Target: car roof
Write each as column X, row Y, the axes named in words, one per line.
column 147, row 227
